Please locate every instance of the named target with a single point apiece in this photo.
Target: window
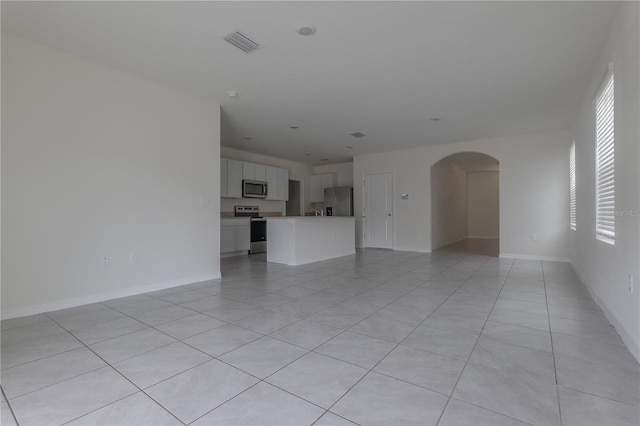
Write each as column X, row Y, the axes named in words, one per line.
column 572, row 186
column 605, row 182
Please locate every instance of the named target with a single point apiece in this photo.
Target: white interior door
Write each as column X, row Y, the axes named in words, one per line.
column 378, row 219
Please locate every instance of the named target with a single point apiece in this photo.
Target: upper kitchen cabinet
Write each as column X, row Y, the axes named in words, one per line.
column 317, row 185
column 283, row 184
column 232, row 172
column 277, row 183
column 272, row 183
column 251, row 171
column 233, row 180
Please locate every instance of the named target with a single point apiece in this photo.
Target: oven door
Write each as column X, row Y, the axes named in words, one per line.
column 258, row 236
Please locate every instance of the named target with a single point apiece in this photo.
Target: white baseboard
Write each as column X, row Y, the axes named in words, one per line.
column 101, row 297
column 634, row 346
column 412, row 249
column 530, row 257
column 448, row 243
column 234, row 253
column 480, row 237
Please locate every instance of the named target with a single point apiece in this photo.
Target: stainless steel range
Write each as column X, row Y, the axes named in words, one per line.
column 258, row 227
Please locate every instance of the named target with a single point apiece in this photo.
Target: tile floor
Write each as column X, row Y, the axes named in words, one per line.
column 452, row 338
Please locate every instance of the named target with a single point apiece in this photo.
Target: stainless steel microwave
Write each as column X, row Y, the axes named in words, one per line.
column 254, row 189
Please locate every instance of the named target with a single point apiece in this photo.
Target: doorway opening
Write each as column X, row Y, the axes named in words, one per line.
column 296, row 199
column 465, row 203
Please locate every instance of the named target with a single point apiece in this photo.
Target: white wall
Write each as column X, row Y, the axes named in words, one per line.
column 343, row 171
column 97, row 162
column 297, row 171
column 533, row 194
column 448, row 204
column 602, row 267
column 483, row 200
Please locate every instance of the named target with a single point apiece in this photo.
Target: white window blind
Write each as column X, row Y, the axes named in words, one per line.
column 572, row 186
column 605, row 182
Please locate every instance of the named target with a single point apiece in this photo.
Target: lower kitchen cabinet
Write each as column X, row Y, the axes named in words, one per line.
column 235, row 235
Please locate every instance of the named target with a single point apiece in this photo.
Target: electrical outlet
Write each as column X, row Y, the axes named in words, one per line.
column 533, row 238
column 104, row 260
column 630, row 283
column 133, row 257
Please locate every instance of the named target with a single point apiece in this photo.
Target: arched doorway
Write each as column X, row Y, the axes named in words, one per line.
column 465, row 203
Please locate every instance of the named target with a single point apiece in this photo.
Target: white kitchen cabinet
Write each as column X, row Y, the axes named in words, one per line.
column 317, row 185
column 272, row 182
column 234, row 179
column 224, row 163
column 232, row 172
column 248, row 171
column 235, row 235
column 283, row 184
column 243, row 237
column 227, row 239
column 260, row 172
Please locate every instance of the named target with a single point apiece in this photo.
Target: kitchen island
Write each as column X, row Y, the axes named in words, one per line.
column 298, row 240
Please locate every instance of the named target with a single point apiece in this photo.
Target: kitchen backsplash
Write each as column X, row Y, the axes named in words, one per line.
column 227, row 205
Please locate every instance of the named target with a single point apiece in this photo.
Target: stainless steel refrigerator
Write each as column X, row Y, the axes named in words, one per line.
column 338, row 201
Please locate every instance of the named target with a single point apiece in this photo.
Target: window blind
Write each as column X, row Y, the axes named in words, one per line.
column 605, row 176
column 572, row 186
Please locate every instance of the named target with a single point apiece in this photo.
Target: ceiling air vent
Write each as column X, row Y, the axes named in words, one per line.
column 242, row 42
column 357, row 134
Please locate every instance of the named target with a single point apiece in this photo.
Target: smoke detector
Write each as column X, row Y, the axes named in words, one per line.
column 357, row 134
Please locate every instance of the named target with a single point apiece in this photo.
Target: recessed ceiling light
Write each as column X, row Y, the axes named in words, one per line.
column 349, row 147
column 247, row 138
column 232, row 94
column 435, row 119
column 293, row 126
column 306, row 29
column 357, row 134
column 306, row 153
column 324, row 159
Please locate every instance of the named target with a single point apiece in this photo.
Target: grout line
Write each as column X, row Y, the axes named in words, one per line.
column 262, row 309
column 474, row 345
column 398, row 344
column 553, row 354
column 125, row 377
column 6, row 400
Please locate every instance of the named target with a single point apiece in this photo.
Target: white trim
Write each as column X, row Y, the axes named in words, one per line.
column 101, row 297
column 412, row 249
column 633, row 346
column 483, row 237
column 448, row 243
column 531, row 257
column 234, row 253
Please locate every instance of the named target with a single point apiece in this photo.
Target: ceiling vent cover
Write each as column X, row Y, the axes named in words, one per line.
column 242, row 42
column 357, row 134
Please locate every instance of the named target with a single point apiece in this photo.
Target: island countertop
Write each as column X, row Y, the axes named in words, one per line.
column 309, row 217
column 298, row 240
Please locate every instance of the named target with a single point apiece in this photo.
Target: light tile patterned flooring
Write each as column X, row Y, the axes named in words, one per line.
column 452, row 338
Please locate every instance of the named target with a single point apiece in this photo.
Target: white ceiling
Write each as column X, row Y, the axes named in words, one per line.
column 487, row 69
